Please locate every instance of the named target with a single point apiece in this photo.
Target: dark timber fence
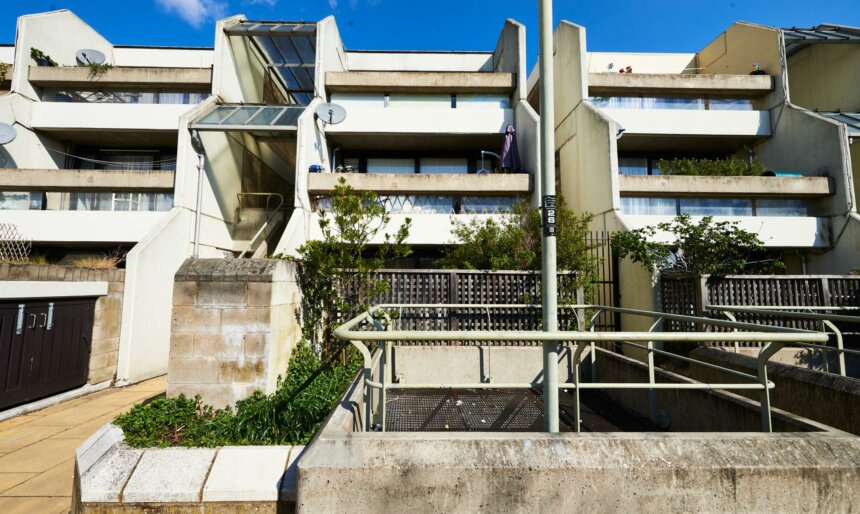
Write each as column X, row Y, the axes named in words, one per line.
column 689, row 295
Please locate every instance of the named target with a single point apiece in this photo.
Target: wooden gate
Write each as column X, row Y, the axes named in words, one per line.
column 44, row 348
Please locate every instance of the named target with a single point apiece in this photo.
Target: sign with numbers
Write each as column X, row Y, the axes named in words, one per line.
column 549, row 216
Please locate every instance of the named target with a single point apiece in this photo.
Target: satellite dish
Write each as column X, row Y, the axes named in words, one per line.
column 331, row 114
column 7, row 133
column 89, row 56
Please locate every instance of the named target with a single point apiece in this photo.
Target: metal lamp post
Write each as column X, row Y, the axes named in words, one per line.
column 549, row 295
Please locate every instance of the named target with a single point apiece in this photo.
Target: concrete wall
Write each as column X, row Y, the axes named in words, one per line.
column 510, row 56
column 527, row 125
column 472, row 184
column 163, row 57
column 234, row 328
column 825, row 77
column 571, row 82
column 108, row 311
column 827, row 398
column 420, row 61
column 598, row 62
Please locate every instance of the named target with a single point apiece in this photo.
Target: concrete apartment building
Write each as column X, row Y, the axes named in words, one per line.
column 612, row 128
column 112, row 160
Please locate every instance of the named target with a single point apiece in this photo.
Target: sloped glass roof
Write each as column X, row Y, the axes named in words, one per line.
column 797, row 38
column 250, row 118
column 852, row 119
column 288, row 49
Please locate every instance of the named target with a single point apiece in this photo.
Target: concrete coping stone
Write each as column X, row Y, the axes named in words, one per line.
column 234, row 270
column 111, row 472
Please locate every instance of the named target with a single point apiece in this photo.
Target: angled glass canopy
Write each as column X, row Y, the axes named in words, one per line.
column 288, row 50
column 250, row 118
column 797, row 38
column 852, row 119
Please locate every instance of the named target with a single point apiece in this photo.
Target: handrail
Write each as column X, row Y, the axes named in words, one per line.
column 269, row 218
column 790, row 311
column 773, row 337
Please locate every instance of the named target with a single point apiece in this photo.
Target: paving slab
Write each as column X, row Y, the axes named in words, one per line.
column 103, row 481
column 25, row 435
column 10, row 480
column 35, row 505
column 39, row 457
column 169, row 475
column 246, row 473
column 57, row 481
column 79, row 414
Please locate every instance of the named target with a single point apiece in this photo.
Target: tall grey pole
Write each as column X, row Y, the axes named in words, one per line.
column 548, row 260
column 201, row 173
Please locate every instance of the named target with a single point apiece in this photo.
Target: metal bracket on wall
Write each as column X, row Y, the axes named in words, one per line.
column 50, row 316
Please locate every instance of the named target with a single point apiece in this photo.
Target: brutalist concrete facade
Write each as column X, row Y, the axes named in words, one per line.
column 234, row 328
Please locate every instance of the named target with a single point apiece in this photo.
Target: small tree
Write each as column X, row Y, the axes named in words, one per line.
column 514, row 243
column 705, row 247
column 337, row 273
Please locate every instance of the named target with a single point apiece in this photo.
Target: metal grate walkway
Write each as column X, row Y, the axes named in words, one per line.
column 501, row 410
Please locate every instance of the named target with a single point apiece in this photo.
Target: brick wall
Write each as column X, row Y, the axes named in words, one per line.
column 234, row 328
column 108, row 314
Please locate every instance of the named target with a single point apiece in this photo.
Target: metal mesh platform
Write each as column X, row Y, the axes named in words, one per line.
column 500, row 410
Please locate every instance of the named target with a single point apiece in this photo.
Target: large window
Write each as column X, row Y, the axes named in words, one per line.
column 444, row 165
column 652, row 206
column 88, row 158
column 21, row 201
column 124, row 97
column 439, row 204
column 423, row 100
column 120, row 201
column 382, row 165
column 672, row 102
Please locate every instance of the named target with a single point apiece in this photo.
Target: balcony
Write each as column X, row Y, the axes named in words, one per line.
column 416, row 120
column 424, row 184
column 420, row 82
column 697, row 123
column 49, row 180
column 122, row 77
column 609, row 84
column 734, row 187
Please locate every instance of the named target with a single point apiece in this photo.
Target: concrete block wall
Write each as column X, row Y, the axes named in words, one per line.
column 234, row 327
column 108, row 312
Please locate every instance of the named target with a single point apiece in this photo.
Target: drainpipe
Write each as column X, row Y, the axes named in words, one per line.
column 804, row 263
column 548, row 205
column 197, row 143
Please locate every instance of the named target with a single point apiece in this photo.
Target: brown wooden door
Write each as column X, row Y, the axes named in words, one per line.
column 48, row 352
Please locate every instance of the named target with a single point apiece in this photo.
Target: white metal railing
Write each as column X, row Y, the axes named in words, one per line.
column 795, row 312
column 378, row 320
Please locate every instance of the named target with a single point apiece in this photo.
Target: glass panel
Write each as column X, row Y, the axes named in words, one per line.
column 271, row 49
column 306, row 47
column 487, row 101
column 633, row 165
column 306, row 80
column 241, row 116
column 217, row 116
column 673, row 103
column 649, row 206
column 287, row 74
column 302, row 98
column 287, row 50
column 17, row 200
column 359, row 99
column 487, row 204
column 444, row 165
column 414, row 100
column 290, row 117
column 730, row 104
column 716, row 207
column 381, row 165
column 781, row 207
column 265, row 116
column 90, row 201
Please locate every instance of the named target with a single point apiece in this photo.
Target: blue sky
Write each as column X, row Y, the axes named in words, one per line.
column 619, row 25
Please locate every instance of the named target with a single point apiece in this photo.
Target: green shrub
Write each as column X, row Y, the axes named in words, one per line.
column 712, row 167
column 290, row 415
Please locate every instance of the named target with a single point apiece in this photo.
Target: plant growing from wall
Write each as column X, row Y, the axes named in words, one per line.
column 712, row 167
column 97, row 70
column 4, row 71
column 514, row 243
column 337, row 273
column 700, row 248
column 41, row 58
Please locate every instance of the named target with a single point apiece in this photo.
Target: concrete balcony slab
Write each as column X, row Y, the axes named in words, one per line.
column 469, row 184
column 735, row 187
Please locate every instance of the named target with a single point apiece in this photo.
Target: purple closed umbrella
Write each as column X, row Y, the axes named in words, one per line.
column 510, row 153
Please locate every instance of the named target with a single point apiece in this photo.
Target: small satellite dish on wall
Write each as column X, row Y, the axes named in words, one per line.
column 89, row 56
column 7, row 133
column 330, row 114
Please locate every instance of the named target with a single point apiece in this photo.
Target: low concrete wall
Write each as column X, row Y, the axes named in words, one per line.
column 112, row 477
column 681, row 185
column 470, row 184
column 420, row 81
column 827, row 398
column 606, row 472
column 91, row 180
column 108, row 313
column 121, row 76
column 234, row 328
column 605, row 84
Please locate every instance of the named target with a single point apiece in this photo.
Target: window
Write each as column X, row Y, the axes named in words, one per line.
column 125, row 97
column 780, row 207
column 382, row 165
column 21, row 201
column 88, row 158
column 715, row 207
column 485, row 101
column 487, row 204
column 730, row 104
column 649, row 206
column 359, row 99
column 420, row 101
column 633, row 166
column 672, row 102
column 444, row 165
column 120, row 201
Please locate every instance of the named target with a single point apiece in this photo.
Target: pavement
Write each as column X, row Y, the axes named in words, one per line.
column 37, row 450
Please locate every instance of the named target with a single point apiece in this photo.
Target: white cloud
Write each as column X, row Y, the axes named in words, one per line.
column 332, row 4
column 195, row 12
column 270, row 3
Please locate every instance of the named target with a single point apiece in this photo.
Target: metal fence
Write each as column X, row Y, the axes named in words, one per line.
column 375, row 326
column 691, row 295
